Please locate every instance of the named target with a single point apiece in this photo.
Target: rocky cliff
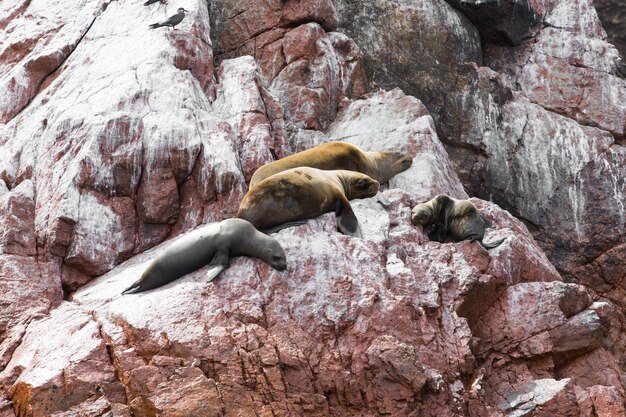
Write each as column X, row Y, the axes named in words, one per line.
column 116, row 139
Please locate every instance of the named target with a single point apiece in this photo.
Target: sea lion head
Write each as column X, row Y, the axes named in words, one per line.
column 275, row 255
column 359, row 185
column 391, row 163
column 423, row 214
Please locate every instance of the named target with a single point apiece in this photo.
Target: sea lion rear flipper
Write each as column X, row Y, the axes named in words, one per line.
column 133, row 289
column 220, row 261
column 346, row 220
column 382, row 200
column 492, row 244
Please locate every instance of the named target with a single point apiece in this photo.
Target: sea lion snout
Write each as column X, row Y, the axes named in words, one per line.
column 406, row 161
column 277, row 258
column 421, row 215
column 280, row 265
column 399, row 161
column 370, row 185
column 371, row 188
column 364, row 186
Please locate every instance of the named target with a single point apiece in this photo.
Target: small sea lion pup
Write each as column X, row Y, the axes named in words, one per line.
column 304, row 193
column 213, row 244
column 380, row 166
column 449, row 217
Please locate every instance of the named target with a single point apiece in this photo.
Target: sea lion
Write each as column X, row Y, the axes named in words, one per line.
column 213, row 244
column 380, row 166
column 449, row 217
column 305, row 193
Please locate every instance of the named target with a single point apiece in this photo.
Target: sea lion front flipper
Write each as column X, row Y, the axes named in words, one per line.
column 437, row 233
column 492, row 244
column 214, row 271
column 382, row 200
column 488, row 224
column 346, row 220
column 220, row 261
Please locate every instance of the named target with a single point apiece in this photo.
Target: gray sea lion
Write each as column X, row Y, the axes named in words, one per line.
column 171, row 21
column 456, row 219
column 380, row 166
column 213, row 244
column 305, row 193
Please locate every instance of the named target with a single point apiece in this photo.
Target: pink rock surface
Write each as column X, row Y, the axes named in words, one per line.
column 316, row 339
column 394, row 121
column 613, row 16
column 255, row 115
column 571, row 74
column 55, row 368
column 38, row 39
column 238, row 29
column 563, row 64
column 129, row 137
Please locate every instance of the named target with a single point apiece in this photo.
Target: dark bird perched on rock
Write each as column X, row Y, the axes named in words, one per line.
column 149, row 2
column 172, row 20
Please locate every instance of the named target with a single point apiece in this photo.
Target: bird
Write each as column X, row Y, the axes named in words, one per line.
column 172, row 20
column 149, row 2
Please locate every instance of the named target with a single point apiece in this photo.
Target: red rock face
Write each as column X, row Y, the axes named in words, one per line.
column 115, row 139
column 613, row 17
column 565, row 68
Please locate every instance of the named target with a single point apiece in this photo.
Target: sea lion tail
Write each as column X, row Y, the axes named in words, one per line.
column 492, row 244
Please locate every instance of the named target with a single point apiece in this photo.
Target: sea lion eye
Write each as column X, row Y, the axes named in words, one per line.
column 362, row 183
column 276, row 258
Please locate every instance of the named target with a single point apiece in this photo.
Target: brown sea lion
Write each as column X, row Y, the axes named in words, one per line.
column 456, row 219
column 213, row 244
column 305, row 193
column 380, row 166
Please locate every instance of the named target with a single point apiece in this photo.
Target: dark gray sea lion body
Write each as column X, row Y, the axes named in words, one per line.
column 380, row 166
column 212, row 244
column 451, row 218
column 305, row 193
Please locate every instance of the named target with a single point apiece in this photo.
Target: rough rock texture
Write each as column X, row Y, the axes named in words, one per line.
column 502, row 22
column 309, row 68
column 499, row 121
column 115, row 139
column 567, row 69
column 613, row 16
column 416, row 46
